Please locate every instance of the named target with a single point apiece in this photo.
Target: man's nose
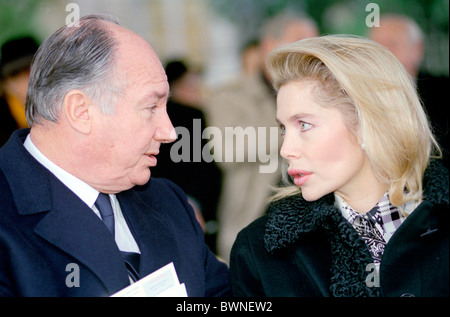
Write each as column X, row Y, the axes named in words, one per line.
column 165, row 133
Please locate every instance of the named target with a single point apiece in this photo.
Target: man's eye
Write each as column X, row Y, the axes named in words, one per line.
column 305, row 126
column 283, row 130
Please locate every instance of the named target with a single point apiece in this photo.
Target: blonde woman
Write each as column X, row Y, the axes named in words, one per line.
column 366, row 209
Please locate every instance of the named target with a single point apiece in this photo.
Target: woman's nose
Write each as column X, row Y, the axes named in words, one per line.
column 290, row 149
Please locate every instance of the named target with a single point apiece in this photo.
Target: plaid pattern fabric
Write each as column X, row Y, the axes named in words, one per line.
column 387, row 216
column 375, row 227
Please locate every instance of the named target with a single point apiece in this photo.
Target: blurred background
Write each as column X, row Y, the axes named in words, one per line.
column 211, row 33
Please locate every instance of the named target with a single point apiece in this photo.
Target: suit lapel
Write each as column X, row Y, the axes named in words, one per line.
column 72, row 227
column 155, row 243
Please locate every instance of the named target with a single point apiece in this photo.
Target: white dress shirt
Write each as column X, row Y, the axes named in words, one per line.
column 124, row 239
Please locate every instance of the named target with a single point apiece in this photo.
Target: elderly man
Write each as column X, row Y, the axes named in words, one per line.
column 96, row 105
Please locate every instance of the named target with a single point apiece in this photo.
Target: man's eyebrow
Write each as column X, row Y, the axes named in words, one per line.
column 153, row 95
column 157, row 94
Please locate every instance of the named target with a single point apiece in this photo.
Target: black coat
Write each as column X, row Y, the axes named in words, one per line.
column 308, row 249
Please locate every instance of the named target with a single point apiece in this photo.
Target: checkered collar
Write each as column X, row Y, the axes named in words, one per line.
column 385, row 216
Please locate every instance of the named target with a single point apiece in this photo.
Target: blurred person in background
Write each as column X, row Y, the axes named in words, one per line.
column 406, row 40
column 251, row 59
column 200, row 179
column 249, row 101
column 15, row 61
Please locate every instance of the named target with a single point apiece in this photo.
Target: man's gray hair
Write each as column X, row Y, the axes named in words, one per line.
column 73, row 58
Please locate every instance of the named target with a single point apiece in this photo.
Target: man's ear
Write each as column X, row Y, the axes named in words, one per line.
column 77, row 108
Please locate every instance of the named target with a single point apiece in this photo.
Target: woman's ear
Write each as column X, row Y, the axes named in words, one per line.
column 77, row 108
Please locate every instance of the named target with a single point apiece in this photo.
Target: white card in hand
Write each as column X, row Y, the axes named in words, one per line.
column 161, row 283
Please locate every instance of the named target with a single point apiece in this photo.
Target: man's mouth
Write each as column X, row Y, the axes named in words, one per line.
column 151, row 158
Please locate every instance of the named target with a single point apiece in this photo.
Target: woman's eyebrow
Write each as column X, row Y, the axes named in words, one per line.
column 296, row 116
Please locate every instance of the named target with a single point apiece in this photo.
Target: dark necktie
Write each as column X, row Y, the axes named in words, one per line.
column 131, row 259
column 103, row 205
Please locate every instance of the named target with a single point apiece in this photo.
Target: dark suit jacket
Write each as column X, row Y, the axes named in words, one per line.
column 308, row 249
column 44, row 228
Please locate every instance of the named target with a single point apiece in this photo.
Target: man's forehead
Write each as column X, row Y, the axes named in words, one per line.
column 136, row 60
column 132, row 48
column 140, row 65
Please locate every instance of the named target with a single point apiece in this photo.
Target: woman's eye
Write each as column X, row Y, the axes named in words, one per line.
column 305, row 126
column 283, row 130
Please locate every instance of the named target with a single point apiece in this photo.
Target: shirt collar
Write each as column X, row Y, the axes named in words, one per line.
column 84, row 191
column 385, row 216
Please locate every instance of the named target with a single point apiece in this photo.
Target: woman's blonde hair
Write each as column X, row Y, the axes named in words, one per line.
column 378, row 99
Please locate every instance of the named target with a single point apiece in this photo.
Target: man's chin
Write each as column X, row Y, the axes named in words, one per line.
column 142, row 179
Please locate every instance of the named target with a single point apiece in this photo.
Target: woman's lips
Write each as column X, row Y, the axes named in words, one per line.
column 300, row 177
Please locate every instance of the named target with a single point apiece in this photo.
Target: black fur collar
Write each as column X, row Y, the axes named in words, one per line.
column 290, row 218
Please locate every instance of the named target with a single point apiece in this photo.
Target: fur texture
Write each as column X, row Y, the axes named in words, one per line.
column 292, row 217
